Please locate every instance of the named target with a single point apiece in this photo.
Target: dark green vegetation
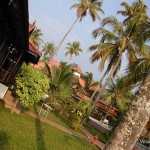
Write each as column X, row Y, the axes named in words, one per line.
column 101, row 136
column 22, row 132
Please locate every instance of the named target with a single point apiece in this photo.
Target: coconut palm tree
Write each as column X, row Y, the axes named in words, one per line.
column 119, row 94
column 138, row 71
column 93, row 6
column 90, row 84
column 111, row 47
column 60, row 90
column 73, row 48
column 130, row 128
column 49, row 50
column 137, row 11
column 35, row 37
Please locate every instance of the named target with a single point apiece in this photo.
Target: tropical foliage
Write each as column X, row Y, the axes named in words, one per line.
column 35, row 37
column 119, row 94
column 31, row 85
column 49, row 50
column 94, row 6
column 60, row 90
column 138, row 115
column 112, row 46
column 79, row 114
column 90, row 84
column 73, row 49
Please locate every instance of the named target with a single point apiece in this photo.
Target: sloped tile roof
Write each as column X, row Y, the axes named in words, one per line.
column 34, row 49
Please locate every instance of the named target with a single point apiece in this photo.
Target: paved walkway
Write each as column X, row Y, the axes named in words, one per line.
column 88, row 137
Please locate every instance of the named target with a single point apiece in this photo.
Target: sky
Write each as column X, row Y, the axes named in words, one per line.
column 54, row 18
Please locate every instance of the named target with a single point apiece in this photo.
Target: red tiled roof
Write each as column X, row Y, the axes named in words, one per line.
column 106, row 109
column 82, row 96
column 77, row 68
column 34, row 49
column 107, row 103
column 54, row 62
column 94, row 87
column 82, row 82
column 31, row 27
column 39, row 65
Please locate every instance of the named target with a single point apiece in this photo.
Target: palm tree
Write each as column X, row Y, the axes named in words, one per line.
column 90, row 84
column 60, row 90
column 35, row 37
column 129, row 130
column 61, row 76
column 49, row 50
column 93, row 6
column 111, row 48
column 137, row 11
column 73, row 48
column 119, row 94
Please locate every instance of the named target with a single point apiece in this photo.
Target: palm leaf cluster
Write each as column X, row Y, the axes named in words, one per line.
column 139, row 70
column 90, row 84
column 119, row 94
column 93, row 6
column 61, row 76
column 60, row 90
column 118, row 38
column 112, row 43
column 49, row 50
column 35, row 37
column 73, row 49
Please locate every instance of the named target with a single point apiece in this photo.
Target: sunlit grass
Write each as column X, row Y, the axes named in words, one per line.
column 22, row 132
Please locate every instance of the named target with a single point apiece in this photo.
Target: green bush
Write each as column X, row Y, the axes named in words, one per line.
column 78, row 116
column 31, row 85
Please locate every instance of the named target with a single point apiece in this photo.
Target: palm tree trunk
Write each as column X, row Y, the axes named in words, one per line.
column 108, row 111
column 67, row 33
column 129, row 130
column 107, row 81
column 95, row 91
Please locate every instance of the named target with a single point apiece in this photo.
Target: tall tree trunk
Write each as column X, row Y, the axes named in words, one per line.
column 107, row 80
column 108, row 110
column 95, row 91
column 129, row 130
column 67, row 33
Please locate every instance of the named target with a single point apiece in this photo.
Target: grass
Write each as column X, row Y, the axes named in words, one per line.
column 22, row 132
column 56, row 117
column 53, row 116
column 94, row 131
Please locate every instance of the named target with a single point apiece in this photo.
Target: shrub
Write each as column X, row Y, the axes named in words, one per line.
column 31, row 85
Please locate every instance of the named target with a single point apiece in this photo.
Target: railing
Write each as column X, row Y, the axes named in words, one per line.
column 3, row 74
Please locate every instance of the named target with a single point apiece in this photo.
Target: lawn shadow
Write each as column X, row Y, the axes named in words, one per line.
column 39, row 133
column 3, row 140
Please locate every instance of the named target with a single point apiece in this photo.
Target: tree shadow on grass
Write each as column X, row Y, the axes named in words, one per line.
column 39, row 133
column 3, row 140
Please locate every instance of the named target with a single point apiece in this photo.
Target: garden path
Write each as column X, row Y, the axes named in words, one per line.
column 88, row 137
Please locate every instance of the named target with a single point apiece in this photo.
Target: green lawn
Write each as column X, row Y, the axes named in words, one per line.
column 57, row 118
column 22, row 132
column 53, row 116
column 94, row 131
